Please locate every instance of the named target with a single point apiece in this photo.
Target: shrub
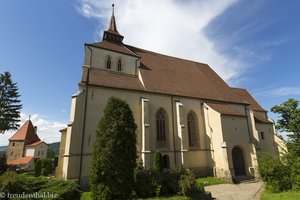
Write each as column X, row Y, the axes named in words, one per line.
column 38, row 168
column 34, row 184
column 187, row 183
column 64, row 189
column 114, row 157
column 44, row 167
column 47, row 167
column 11, row 182
column 149, row 183
column 158, row 161
column 144, row 182
column 274, row 172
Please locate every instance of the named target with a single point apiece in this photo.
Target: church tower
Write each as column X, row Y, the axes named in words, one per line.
column 112, row 33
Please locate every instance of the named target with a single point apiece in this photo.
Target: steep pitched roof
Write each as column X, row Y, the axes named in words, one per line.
column 111, row 79
column 225, row 109
column 260, row 119
column 169, row 75
column 113, row 46
column 26, row 133
column 35, row 144
column 21, row 161
column 245, row 96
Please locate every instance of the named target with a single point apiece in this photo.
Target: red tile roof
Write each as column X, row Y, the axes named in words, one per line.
column 244, row 96
column 260, row 119
column 169, row 75
column 112, row 79
column 35, row 144
column 21, row 161
column 114, row 46
column 26, row 133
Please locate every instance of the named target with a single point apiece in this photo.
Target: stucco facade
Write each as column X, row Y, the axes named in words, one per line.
column 210, row 127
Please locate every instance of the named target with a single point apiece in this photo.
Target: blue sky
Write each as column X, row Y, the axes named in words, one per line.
column 251, row 44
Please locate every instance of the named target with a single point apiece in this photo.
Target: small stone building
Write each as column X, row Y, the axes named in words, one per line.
column 25, row 147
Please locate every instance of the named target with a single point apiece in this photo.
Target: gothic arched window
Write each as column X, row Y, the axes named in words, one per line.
column 119, row 65
column 192, row 130
column 161, row 121
column 108, row 63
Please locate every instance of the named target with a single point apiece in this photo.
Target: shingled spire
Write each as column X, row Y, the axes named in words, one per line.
column 112, row 33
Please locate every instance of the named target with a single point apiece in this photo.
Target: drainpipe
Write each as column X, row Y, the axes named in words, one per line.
column 84, row 117
column 174, row 145
column 249, row 134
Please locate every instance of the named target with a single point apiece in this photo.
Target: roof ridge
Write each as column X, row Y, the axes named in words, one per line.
column 170, row 56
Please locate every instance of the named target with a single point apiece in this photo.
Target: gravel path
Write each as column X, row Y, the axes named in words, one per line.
column 241, row 191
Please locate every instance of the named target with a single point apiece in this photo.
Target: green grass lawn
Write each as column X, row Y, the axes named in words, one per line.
column 86, row 196
column 290, row 195
column 211, row 181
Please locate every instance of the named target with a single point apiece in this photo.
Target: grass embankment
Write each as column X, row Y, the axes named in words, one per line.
column 289, row 195
column 203, row 181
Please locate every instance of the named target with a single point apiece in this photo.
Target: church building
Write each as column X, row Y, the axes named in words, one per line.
column 181, row 107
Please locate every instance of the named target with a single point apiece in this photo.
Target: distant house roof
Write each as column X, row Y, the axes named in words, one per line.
column 26, row 133
column 35, row 144
column 225, row 109
column 21, row 161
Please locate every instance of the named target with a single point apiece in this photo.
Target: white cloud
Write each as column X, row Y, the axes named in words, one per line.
column 281, row 91
column 171, row 27
column 47, row 130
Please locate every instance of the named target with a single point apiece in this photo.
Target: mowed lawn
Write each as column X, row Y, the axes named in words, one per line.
column 290, row 195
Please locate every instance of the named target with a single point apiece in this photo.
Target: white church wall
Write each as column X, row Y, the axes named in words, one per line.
column 99, row 57
column 219, row 157
column 236, row 134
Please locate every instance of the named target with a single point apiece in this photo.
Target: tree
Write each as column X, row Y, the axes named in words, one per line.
column 289, row 120
column 3, row 165
column 9, row 103
column 114, row 157
column 158, row 161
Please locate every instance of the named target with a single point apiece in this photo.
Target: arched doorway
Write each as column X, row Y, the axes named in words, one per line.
column 238, row 162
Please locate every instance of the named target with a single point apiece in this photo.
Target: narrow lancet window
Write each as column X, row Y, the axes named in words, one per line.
column 192, row 130
column 108, row 63
column 119, row 65
column 161, row 125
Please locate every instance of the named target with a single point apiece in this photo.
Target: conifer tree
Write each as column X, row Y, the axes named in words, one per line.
column 114, row 157
column 9, row 103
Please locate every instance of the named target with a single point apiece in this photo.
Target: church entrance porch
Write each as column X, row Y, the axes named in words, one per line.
column 238, row 162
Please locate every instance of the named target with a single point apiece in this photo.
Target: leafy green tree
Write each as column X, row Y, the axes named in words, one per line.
column 114, row 157
column 9, row 103
column 158, row 161
column 289, row 120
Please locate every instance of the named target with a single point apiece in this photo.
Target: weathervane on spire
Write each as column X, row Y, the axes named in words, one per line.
column 113, row 9
column 29, row 117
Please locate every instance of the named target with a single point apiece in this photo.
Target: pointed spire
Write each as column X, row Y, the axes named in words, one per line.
column 112, row 24
column 112, row 33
